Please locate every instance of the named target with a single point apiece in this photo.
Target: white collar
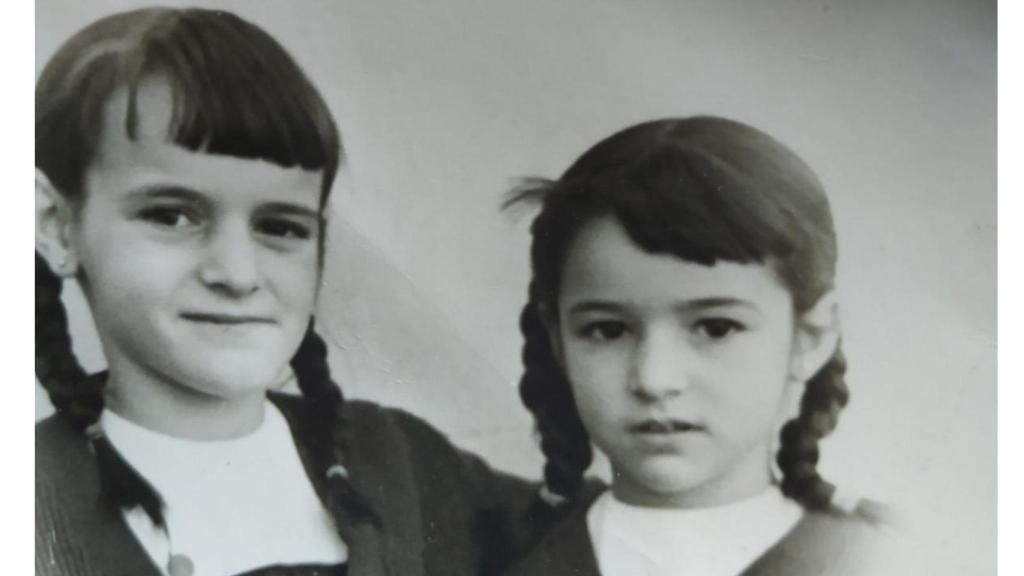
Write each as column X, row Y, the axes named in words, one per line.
column 231, row 505
column 718, row 541
column 169, row 462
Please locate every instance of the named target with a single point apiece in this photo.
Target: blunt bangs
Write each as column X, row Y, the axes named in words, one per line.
column 702, row 189
column 235, row 91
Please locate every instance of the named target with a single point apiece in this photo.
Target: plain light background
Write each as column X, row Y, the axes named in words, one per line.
column 442, row 104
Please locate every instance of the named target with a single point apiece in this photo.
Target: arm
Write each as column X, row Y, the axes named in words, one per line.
column 469, row 508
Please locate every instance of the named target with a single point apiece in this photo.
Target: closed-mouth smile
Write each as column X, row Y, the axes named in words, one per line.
column 225, row 319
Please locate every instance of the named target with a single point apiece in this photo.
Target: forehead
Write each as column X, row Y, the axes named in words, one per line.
column 603, row 262
column 151, row 158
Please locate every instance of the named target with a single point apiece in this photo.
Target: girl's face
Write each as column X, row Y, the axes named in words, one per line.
column 201, row 270
column 680, row 371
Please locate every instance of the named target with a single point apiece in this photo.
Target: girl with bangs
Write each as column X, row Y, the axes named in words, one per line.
column 681, row 318
column 183, row 168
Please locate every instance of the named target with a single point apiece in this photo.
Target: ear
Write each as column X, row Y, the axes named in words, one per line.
column 816, row 338
column 54, row 220
column 549, row 318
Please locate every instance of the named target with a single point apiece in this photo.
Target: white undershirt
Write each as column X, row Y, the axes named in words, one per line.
column 231, row 505
column 715, row 541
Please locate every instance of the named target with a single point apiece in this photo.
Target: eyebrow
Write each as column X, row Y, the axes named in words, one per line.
column 288, row 208
column 697, row 304
column 156, row 191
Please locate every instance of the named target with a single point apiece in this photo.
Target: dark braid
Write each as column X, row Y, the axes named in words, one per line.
column 545, row 391
column 56, row 366
column 78, row 397
column 330, row 437
column 824, row 397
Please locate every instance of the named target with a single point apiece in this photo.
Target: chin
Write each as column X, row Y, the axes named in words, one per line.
column 232, row 380
column 670, row 478
column 671, row 483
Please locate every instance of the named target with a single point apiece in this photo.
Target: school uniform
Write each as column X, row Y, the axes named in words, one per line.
column 830, row 542
column 441, row 510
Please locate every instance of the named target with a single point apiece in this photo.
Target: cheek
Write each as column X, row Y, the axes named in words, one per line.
column 128, row 273
column 112, row 248
column 296, row 280
column 598, row 382
column 748, row 374
column 750, row 387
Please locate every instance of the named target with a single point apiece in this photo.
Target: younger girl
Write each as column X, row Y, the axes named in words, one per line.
column 681, row 309
column 183, row 166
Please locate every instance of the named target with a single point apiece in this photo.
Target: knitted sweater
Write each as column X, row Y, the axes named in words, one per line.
column 830, row 542
column 442, row 511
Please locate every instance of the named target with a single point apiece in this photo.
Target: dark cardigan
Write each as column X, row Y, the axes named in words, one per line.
column 442, row 511
column 828, row 542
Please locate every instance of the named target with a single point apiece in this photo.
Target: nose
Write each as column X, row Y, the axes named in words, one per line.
column 229, row 265
column 661, row 367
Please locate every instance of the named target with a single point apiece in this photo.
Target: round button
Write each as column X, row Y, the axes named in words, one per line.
column 180, row 565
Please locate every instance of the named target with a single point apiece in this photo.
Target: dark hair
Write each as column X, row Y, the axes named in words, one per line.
column 235, row 91
column 703, row 189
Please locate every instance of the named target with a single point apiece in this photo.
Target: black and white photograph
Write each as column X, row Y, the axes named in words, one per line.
column 567, row 288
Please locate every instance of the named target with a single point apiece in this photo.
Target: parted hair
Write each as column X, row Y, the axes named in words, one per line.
column 235, row 91
column 703, row 189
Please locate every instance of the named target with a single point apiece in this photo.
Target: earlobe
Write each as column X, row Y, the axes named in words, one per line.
column 816, row 339
column 53, row 228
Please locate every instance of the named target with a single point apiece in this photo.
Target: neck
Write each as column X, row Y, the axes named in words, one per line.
column 179, row 411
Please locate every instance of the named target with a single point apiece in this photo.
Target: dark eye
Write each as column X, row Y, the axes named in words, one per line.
column 168, row 216
column 283, row 228
column 604, row 330
column 718, row 328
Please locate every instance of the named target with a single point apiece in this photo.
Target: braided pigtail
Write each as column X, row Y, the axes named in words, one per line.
column 824, row 397
column 78, row 397
column 330, row 433
column 57, row 369
column 545, row 391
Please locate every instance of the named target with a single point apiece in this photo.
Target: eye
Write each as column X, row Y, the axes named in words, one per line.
column 604, row 330
column 284, row 228
column 718, row 328
column 169, row 216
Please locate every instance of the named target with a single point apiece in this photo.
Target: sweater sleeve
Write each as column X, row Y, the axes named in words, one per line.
column 503, row 513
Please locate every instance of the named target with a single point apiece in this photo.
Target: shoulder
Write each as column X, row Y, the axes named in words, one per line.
column 369, row 428
column 52, row 429
column 845, row 540
column 408, row 423
column 406, row 440
column 853, row 527
column 361, row 415
column 66, row 471
column 860, row 524
column 56, row 446
column 369, row 419
column 59, row 448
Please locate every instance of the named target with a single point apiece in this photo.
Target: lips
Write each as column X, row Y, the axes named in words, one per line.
column 226, row 319
column 669, row 426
